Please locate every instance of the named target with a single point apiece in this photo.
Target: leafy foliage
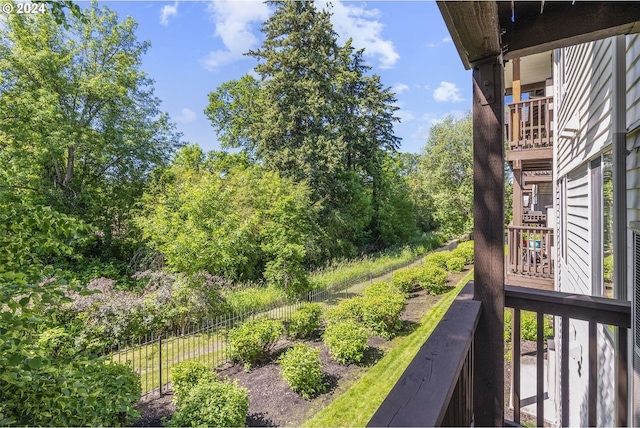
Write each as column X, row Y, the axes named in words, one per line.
column 305, row 321
column 528, row 325
column 253, row 340
column 346, row 340
column 302, row 369
column 186, row 375
column 438, row 258
column 382, row 306
column 347, row 310
column 455, row 264
column 465, row 253
column 445, row 175
column 407, row 279
column 212, row 403
column 434, row 279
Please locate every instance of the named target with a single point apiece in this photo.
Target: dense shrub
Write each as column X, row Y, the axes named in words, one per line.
column 465, row 253
column 253, row 340
column 455, row 264
column 186, row 375
column 529, row 325
column 346, row 340
column 305, row 321
column 407, row 279
column 78, row 392
column 349, row 309
column 439, row 258
column 465, row 245
column 382, row 306
column 434, row 279
column 302, row 369
column 217, row 404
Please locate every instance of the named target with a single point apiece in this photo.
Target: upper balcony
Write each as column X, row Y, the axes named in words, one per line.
column 530, row 134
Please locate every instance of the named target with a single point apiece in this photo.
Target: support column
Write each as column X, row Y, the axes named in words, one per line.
column 517, row 97
column 488, row 206
column 517, row 193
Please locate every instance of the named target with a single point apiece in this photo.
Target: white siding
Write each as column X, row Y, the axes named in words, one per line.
column 633, row 80
column 586, row 103
column 577, row 266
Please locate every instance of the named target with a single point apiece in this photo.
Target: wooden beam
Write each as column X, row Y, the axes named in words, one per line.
column 474, row 29
column 568, row 24
column 488, row 205
column 530, row 154
column 517, row 197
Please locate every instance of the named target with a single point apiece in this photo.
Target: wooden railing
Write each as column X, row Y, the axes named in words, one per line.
column 530, row 251
column 530, row 124
column 595, row 310
column 534, row 218
column 436, row 389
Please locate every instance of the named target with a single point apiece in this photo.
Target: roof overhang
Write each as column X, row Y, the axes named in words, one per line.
column 486, row 29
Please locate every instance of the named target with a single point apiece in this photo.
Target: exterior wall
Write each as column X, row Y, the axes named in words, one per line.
column 633, row 199
column 584, row 129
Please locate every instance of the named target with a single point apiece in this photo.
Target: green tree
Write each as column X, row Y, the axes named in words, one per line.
column 80, row 129
column 297, row 64
column 446, row 174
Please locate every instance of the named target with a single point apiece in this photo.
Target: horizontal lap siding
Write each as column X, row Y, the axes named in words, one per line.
column 633, row 79
column 588, row 97
column 576, row 276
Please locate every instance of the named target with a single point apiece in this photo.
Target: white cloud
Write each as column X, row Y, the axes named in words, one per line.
column 440, row 43
column 361, row 25
column 233, row 20
column 447, row 91
column 404, row 116
column 168, row 11
column 186, row 116
column 399, row 88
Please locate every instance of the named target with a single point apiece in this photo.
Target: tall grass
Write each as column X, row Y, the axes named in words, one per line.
column 374, row 264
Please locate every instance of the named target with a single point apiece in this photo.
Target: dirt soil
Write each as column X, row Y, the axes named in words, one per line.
column 271, row 401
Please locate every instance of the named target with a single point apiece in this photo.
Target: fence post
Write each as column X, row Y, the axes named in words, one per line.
column 160, row 365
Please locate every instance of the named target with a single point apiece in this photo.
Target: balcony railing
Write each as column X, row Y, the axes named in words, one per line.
column 530, row 251
column 437, row 387
column 595, row 310
column 530, row 124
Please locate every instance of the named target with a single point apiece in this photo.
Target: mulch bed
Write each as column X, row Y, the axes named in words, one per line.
column 271, row 402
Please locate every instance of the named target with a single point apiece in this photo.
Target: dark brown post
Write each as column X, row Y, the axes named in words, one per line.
column 488, row 187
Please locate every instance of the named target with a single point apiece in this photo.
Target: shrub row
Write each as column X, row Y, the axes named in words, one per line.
column 253, row 340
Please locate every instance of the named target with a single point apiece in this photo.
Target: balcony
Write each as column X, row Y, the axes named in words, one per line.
column 437, row 387
column 529, row 259
column 530, row 134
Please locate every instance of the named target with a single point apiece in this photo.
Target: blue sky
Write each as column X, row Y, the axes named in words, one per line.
column 197, row 45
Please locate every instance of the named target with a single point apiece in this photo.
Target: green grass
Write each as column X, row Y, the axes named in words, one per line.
column 376, row 264
column 358, row 404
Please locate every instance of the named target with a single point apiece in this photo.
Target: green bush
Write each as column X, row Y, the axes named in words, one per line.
column 349, row 309
column 455, row 264
column 186, row 375
column 381, row 309
column 528, row 325
column 465, row 253
column 434, row 279
column 465, row 245
column 346, row 340
column 608, row 268
column 305, row 321
column 253, row 340
column 80, row 392
column 217, row 404
column 407, row 279
column 439, row 258
column 302, row 369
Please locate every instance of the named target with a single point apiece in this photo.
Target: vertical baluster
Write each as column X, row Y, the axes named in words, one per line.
column 593, row 374
column 160, row 361
column 540, row 370
column 515, row 386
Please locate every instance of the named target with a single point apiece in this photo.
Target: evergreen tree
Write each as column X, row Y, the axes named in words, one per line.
column 295, row 132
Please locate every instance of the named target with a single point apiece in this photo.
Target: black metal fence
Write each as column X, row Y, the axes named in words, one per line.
column 153, row 356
